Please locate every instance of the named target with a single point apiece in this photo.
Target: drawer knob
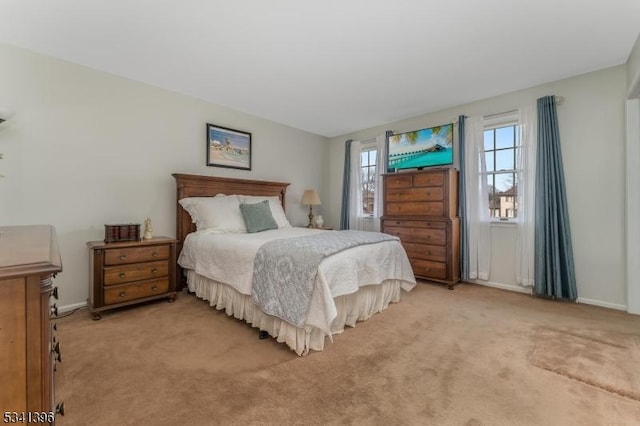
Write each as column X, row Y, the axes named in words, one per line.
column 122, row 294
column 123, row 256
column 154, row 254
column 154, row 270
column 122, row 275
column 154, row 288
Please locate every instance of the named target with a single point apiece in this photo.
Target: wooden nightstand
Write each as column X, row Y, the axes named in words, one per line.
column 130, row 272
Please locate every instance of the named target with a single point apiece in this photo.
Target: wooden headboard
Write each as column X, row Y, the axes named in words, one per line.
column 209, row 186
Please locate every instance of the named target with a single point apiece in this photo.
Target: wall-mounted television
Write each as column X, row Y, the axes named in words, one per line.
column 420, row 148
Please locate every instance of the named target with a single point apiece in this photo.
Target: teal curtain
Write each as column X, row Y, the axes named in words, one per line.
column 346, row 183
column 554, row 269
column 462, row 203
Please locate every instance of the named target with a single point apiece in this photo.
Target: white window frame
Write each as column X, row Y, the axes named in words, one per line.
column 496, row 122
column 369, row 145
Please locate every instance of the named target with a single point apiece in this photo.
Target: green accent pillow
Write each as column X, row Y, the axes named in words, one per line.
column 258, row 217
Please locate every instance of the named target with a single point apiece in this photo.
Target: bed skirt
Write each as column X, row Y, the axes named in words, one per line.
column 351, row 308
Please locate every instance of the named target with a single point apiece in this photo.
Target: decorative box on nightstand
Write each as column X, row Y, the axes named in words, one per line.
column 130, row 272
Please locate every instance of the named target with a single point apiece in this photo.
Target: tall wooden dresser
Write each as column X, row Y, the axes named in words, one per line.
column 29, row 259
column 421, row 208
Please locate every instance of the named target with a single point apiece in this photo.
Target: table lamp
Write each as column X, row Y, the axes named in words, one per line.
column 311, row 198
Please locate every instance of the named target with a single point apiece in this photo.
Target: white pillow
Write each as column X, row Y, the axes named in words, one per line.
column 220, row 213
column 275, row 205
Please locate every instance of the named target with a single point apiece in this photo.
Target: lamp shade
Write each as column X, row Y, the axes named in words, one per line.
column 310, row 197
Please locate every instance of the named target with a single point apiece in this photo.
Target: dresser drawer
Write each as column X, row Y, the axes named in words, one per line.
column 135, row 272
column 119, row 256
column 138, row 290
column 425, row 251
column 415, row 194
column 429, row 269
column 420, row 208
column 398, row 181
column 414, row 223
column 419, row 235
column 429, row 179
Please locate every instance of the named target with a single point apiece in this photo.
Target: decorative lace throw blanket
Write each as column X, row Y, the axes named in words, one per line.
column 284, row 271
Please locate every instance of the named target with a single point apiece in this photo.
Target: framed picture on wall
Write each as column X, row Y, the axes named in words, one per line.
column 228, row 148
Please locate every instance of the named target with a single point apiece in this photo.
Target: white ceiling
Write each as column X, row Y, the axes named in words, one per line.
column 334, row 66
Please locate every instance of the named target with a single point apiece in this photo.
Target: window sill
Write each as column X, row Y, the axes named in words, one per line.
column 503, row 224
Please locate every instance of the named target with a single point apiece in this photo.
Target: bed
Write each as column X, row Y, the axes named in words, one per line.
column 217, row 262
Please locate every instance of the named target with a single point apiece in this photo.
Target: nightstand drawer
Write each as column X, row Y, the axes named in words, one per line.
column 135, row 272
column 119, row 256
column 138, row 290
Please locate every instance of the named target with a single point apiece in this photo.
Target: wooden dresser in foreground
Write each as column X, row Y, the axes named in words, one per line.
column 29, row 259
column 130, row 272
column 421, row 209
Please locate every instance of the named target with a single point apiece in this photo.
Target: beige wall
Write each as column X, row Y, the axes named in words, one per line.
column 86, row 148
column 592, row 132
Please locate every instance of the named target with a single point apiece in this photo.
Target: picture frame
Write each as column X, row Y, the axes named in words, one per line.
column 227, row 147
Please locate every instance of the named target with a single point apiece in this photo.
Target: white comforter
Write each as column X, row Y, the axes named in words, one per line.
column 228, row 258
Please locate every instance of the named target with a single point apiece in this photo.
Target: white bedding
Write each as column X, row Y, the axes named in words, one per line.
column 228, row 258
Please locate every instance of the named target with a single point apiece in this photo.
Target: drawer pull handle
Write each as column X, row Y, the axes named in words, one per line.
column 154, row 254
column 154, row 288
column 122, row 294
column 154, row 270
column 122, row 275
column 123, row 256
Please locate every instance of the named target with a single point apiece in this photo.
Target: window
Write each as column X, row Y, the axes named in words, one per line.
column 501, row 145
column 368, row 161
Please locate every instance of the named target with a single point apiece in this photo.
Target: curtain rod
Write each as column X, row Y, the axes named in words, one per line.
column 454, row 120
column 558, row 99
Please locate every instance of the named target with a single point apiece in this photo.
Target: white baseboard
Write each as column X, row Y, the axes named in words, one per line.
column 528, row 290
column 517, row 289
column 602, row 304
column 68, row 308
